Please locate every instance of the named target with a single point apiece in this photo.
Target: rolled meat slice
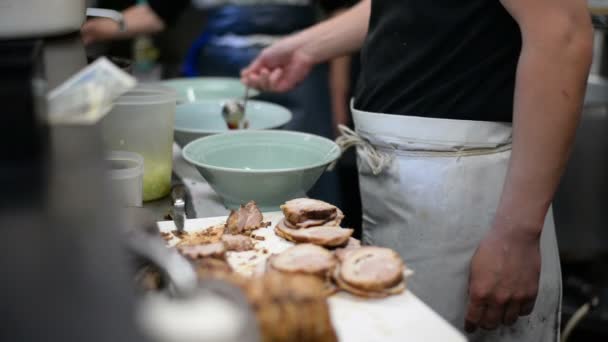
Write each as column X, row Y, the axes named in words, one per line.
column 300, row 210
column 371, row 272
column 305, row 259
column 322, row 236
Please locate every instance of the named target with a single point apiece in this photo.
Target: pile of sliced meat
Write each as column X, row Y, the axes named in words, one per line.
column 306, row 259
column 233, row 236
column 313, row 221
column 314, row 226
column 370, row 272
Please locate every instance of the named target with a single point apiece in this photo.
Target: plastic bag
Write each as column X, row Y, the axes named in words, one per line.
column 88, row 96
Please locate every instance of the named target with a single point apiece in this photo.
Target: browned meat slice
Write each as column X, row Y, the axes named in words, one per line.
column 247, row 218
column 371, row 272
column 304, row 258
column 206, row 236
column 237, row 243
column 212, row 250
column 397, row 289
column 333, row 220
column 321, row 236
column 301, row 210
column 351, row 245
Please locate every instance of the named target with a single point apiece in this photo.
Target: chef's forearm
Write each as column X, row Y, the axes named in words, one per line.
column 337, row 36
column 550, row 87
column 141, row 19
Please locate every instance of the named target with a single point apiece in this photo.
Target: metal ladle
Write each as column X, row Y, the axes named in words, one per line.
column 233, row 112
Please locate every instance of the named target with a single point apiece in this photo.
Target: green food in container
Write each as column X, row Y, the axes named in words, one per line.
column 141, row 121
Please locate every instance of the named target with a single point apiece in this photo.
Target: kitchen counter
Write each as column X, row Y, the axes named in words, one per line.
column 397, row 318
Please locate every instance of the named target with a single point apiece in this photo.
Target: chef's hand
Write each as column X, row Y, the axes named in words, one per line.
column 505, row 272
column 280, row 67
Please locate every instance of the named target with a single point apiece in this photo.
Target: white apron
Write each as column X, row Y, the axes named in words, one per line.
column 430, row 189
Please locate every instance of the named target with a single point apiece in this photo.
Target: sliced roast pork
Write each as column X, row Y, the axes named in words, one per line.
column 371, row 272
column 306, row 212
column 321, row 236
column 211, row 250
column 351, row 245
column 247, row 218
column 304, row 258
column 237, row 243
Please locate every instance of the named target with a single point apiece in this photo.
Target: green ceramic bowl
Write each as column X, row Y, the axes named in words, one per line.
column 269, row 167
column 203, row 118
column 207, row 88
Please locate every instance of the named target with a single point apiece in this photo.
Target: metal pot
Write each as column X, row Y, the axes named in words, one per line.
column 581, row 218
column 599, row 67
column 46, row 18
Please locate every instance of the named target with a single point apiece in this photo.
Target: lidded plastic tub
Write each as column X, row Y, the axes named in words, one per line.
column 126, row 171
column 141, row 121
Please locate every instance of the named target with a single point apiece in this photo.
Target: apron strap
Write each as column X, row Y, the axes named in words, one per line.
column 379, row 160
column 376, row 160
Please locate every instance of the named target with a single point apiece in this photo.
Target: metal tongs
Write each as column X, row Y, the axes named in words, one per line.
column 233, row 112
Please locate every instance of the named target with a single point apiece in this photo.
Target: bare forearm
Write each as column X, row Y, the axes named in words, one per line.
column 338, row 36
column 339, row 85
column 141, row 19
column 550, row 87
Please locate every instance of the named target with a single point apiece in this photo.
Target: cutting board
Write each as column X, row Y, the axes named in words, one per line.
column 398, row 318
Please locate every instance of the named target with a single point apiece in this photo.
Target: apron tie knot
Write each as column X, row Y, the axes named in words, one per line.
column 376, row 160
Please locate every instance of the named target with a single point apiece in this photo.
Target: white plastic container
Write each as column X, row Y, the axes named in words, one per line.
column 126, row 171
column 142, row 122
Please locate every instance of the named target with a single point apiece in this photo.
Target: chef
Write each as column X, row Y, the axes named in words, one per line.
column 465, row 114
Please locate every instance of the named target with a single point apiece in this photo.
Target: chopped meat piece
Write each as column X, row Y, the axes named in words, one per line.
column 212, row 250
column 247, row 218
column 259, row 238
column 321, row 236
column 371, row 272
column 149, row 278
column 209, row 235
column 237, row 243
column 291, row 308
column 304, row 258
column 166, row 236
column 300, row 210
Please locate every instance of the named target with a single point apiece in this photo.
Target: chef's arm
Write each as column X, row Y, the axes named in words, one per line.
column 341, row 35
column 339, row 84
column 138, row 19
column 550, row 86
column 288, row 62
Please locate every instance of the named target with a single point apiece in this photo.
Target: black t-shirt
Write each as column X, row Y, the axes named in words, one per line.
column 452, row 59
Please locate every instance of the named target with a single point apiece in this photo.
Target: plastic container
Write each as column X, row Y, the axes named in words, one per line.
column 142, row 122
column 126, row 170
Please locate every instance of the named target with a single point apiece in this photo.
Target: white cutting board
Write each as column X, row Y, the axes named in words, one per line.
column 398, row 318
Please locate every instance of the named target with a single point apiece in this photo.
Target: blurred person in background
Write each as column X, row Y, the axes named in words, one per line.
column 235, row 33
